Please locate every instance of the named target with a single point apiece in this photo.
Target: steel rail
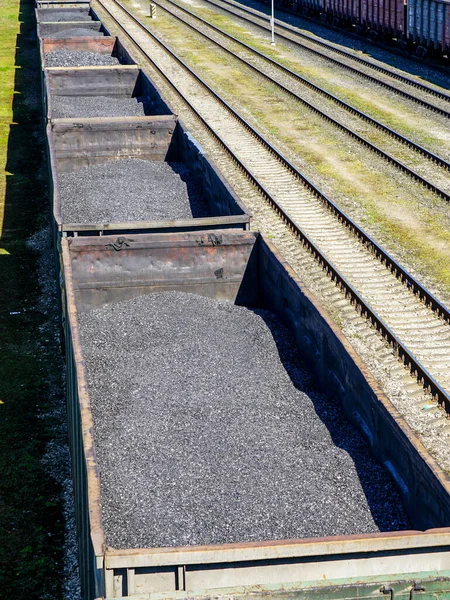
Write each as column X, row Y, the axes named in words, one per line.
column 343, row 65
column 365, row 142
column 408, row 358
column 351, row 109
column 367, row 63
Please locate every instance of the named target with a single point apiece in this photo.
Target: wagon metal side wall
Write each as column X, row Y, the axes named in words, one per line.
column 220, row 197
column 384, row 16
column 315, row 7
column 346, row 10
column 80, row 143
column 90, row 565
column 429, row 23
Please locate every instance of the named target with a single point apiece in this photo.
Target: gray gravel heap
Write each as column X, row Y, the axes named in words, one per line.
column 129, row 190
column 75, row 32
column 207, row 431
column 78, row 58
column 96, row 106
column 60, row 16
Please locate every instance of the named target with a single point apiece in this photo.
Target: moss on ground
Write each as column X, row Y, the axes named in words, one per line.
column 31, row 520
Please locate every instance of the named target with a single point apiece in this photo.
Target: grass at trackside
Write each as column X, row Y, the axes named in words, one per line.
column 405, row 215
column 31, row 523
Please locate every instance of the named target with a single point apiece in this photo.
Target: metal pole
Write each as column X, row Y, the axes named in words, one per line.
column 272, row 22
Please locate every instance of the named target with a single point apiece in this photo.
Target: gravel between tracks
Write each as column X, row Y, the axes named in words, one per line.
column 204, row 433
column 129, row 190
column 75, row 32
column 78, row 58
column 96, row 106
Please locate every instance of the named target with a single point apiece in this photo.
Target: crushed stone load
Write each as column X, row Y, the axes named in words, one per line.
column 61, row 16
column 130, row 190
column 96, row 106
column 207, row 431
column 78, row 58
column 75, row 32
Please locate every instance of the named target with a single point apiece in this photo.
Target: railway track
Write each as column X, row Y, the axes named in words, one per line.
column 309, row 84
column 409, row 317
column 403, row 145
column 292, row 35
column 367, row 63
column 431, row 63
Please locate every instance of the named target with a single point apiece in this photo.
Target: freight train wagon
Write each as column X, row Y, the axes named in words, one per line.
column 244, row 269
column 429, row 25
column 345, row 11
column 423, row 24
column 384, row 17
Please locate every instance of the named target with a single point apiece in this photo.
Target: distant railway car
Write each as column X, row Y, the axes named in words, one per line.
column 386, row 17
column 314, row 6
column 429, row 24
column 425, row 24
column 346, row 11
column 306, row 7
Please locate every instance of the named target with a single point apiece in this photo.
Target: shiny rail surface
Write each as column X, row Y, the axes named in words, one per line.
column 343, row 65
column 367, row 243
column 365, row 142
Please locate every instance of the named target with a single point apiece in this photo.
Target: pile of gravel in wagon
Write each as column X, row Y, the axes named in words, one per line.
column 75, row 32
column 207, row 430
column 78, row 58
column 96, row 106
column 60, row 16
column 130, row 190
